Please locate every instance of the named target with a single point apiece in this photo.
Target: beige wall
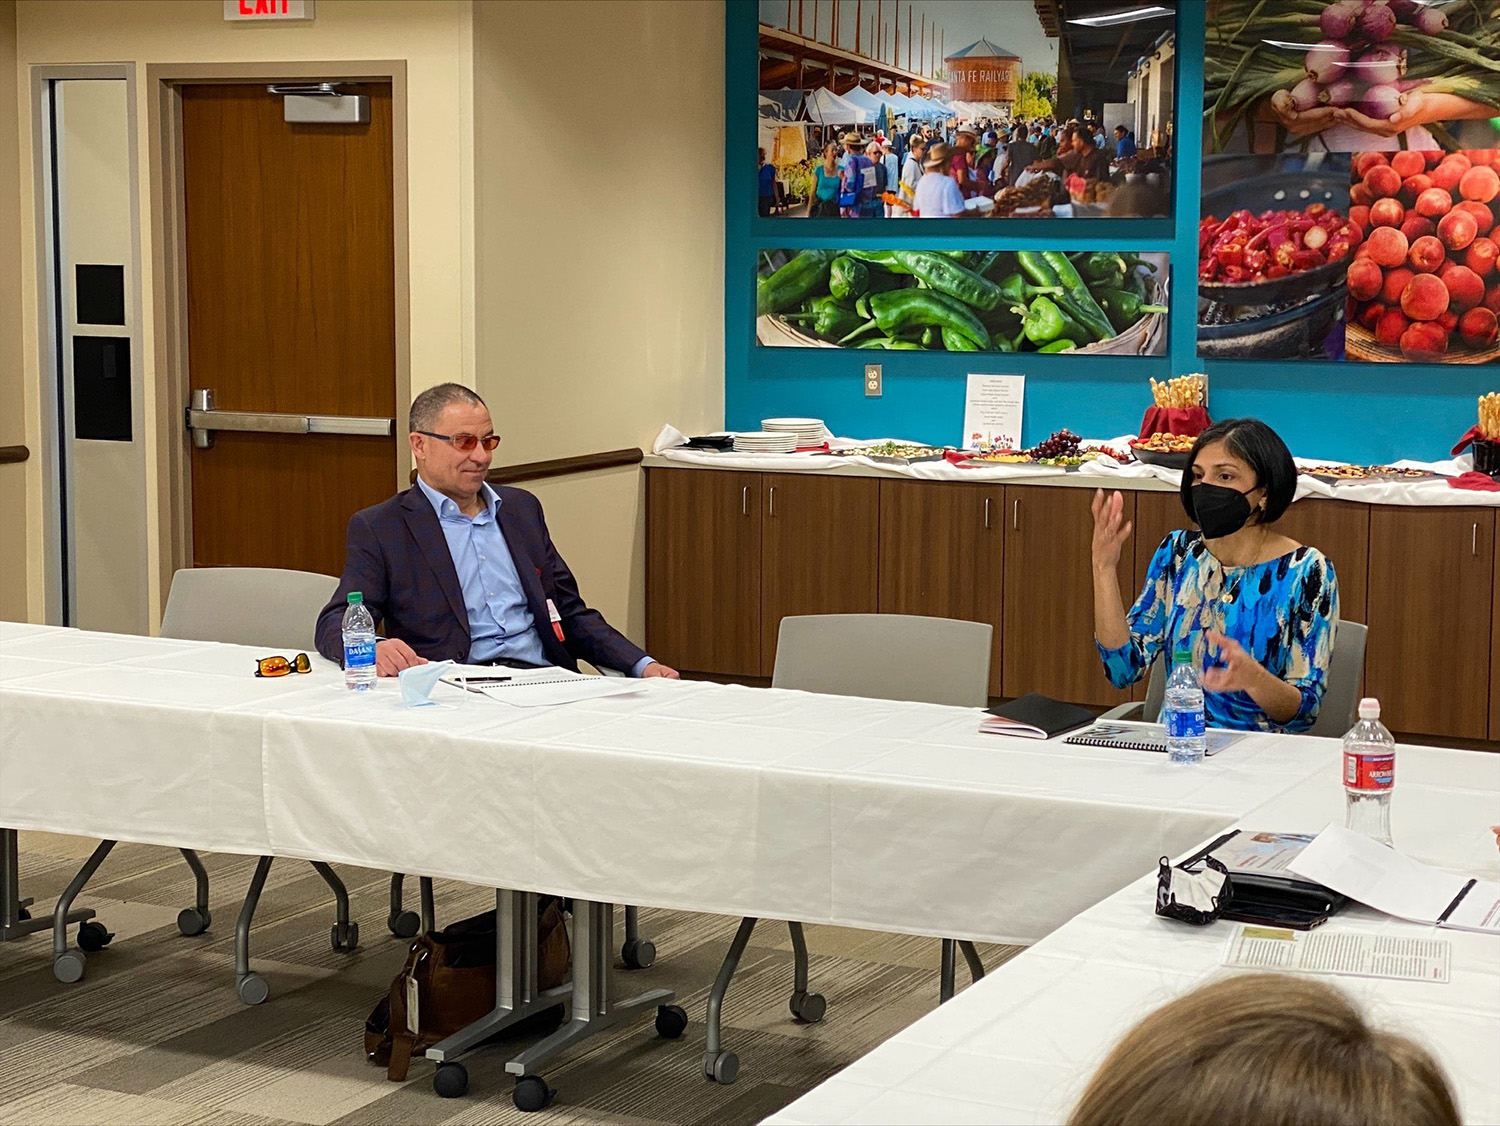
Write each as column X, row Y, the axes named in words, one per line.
column 599, row 252
column 13, row 524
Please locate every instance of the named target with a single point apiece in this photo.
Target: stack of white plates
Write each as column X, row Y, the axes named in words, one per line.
column 807, row 431
column 764, row 442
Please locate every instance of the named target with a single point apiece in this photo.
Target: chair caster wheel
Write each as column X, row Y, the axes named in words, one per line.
column 252, row 989
column 451, row 1080
column 404, row 924
column 671, row 1021
column 722, row 1068
column 92, row 936
column 23, row 915
column 68, row 967
column 191, row 921
column 638, row 953
column 344, row 937
column 808, row 1007
column 532, row 1093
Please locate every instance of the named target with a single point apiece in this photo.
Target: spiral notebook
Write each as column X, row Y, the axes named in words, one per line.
column 1144, row 737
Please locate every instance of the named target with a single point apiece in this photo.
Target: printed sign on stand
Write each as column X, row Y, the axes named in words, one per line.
column 992, row 412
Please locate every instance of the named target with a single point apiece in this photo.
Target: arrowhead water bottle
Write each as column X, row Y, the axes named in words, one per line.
column 1369, row 774
column 359, row 645
column 1186, row 738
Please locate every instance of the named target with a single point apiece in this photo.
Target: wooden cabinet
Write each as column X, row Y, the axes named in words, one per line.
column 942, row 554
column 703, row 544
column 1431, row 594
column 1049, row 603
column 819, row 550
column 1495, row 641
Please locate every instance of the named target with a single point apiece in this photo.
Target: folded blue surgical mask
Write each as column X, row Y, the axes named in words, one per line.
column 418, row 681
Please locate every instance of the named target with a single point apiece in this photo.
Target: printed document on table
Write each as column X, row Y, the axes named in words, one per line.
column 1382, row 878
column 537, row 688
column 1401, row 958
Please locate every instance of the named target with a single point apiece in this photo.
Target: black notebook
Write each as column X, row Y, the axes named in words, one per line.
column 1145, row 737
column 1035, row 716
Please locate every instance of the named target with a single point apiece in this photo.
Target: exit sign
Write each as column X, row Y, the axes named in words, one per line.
column 268, row 9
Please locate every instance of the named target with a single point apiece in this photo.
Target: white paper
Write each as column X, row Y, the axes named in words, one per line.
column 538, row 688
column 992, row 412
column 1338, row 952
column 1380, row 877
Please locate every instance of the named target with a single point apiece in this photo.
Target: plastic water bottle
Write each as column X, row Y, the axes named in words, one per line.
column 359, row 645
column 1186, row 739
column 1369, row 774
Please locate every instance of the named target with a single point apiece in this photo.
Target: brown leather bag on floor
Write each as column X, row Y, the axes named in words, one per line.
column 448, row 982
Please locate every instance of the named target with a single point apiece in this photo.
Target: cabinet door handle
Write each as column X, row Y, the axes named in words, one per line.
column 986, row 512
column 1015, row 515
column 1474, row 541
column 771, row 502
column 745, row 501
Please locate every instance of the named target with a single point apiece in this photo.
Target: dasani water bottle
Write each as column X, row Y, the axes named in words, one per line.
column 359, row 645
column 1183, row 714
column 1369, row 774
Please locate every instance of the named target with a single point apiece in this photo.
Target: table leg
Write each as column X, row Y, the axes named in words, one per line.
column 719, row 1065
column 67, row 965
column 15, row 920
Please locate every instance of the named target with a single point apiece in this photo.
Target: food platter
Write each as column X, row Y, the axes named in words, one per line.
column 893, row 453
column 1367, row 474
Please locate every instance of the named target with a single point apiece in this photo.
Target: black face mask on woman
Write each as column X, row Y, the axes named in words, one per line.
column 1220, row 511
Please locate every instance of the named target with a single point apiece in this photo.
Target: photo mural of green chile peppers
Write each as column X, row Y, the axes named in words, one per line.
column 901, row 310
column 803, row 276
column 1124, row 308
column 1044, row 321
column 955, row 301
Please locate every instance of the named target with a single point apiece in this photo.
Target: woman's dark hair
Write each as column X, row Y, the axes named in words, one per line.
column 1259, row 447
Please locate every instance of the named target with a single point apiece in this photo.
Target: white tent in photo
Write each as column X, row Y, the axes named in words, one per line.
column 824, row 107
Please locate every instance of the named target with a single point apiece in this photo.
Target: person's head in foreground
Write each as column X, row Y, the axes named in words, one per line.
column 1240, row 473
column 1265, row 1050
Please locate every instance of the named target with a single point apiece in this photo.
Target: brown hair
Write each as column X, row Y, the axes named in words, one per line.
column 1265, row 1050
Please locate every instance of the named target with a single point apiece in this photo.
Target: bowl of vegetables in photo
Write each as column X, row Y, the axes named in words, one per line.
column 1096, row 302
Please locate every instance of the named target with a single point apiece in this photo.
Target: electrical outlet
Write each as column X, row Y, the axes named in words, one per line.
column 873, row 381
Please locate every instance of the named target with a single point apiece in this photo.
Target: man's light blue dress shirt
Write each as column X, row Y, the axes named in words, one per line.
column 500, row 622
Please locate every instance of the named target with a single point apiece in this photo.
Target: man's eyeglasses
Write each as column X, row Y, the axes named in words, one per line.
column 281, row 666
column 463, row 443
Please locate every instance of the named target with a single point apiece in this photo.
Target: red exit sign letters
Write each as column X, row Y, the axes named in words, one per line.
column 268, row 9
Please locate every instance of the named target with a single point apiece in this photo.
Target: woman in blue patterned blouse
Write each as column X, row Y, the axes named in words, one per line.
column 1258, row 610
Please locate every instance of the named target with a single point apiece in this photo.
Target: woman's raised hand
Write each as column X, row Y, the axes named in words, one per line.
column 1111, row 530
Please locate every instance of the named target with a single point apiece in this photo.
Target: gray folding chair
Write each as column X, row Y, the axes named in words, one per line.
column 862, row 655
column 1337, row 713
column 258, row 606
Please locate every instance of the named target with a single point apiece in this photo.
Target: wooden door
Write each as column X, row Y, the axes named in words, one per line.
column 1431, row 593
column 942, row 554
column 703, row 570
column 819, row 550
column 290, row 277
column 1049, row 601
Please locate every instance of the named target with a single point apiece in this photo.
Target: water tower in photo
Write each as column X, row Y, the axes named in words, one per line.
column 983, row 74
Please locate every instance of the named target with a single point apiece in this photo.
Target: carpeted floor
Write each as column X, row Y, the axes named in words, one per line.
column 154, row 1034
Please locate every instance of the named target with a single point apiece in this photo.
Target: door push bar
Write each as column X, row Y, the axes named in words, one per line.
column 203, row 418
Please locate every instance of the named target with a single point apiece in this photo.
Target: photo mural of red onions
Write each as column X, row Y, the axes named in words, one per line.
column 1423, row 285
column 1350, row 75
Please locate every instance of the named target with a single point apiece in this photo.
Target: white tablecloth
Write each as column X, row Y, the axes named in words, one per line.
column 891, row 816
column 1019, row 1046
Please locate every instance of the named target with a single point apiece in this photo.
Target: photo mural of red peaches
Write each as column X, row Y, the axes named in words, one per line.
column 1423, row 285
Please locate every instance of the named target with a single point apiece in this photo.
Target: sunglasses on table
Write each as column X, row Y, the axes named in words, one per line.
column 281, row 666
column 463, row 443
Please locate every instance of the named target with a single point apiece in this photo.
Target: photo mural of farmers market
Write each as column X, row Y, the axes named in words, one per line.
column 1030, row 110
column 1094, row 302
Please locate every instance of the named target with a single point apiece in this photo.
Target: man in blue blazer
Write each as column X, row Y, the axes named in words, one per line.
column 457, row 569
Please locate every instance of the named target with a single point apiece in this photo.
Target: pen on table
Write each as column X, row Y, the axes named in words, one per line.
column 1457, row 899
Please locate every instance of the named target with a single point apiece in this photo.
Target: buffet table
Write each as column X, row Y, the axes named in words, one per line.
column 1105, row 473
column 1019, row 1046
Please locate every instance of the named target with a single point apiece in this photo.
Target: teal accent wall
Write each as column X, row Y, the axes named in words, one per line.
column 1349, row 411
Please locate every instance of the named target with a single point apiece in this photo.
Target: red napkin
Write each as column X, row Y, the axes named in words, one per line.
column 1189, row 421
column 823, row 449
column 1470, row 435
column 1472, row 480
